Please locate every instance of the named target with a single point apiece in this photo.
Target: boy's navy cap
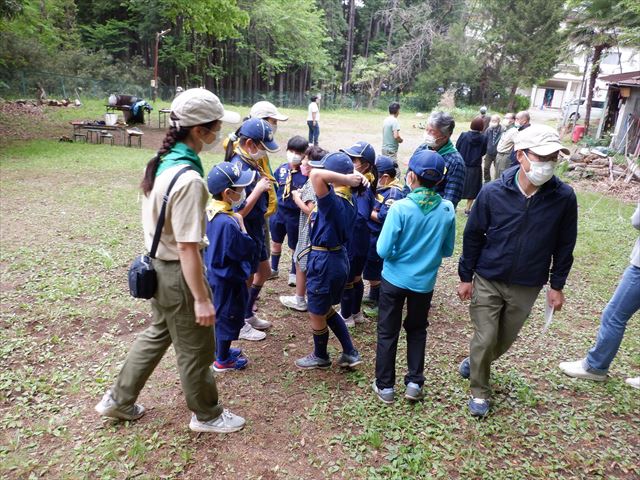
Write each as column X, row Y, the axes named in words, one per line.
column 362, row 150
column 336, row 162
column 260, row 131
column 385, row 164
column 228, row 175
column 428, row 165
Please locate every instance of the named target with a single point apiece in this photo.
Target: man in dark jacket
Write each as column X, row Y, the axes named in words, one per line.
column 519, row 236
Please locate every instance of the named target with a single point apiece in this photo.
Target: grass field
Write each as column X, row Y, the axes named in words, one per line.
column 69, row 226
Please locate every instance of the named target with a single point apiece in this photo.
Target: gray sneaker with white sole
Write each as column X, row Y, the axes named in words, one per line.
column 227, row 422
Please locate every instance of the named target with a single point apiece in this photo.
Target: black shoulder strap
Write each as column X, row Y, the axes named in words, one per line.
column 160, row 224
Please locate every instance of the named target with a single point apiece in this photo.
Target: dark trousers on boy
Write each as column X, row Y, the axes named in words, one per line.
column 391, row 302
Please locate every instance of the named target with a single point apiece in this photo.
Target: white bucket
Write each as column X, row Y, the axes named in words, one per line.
column 110, row 119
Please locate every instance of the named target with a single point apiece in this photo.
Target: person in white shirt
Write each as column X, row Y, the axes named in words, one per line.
column 313, row 120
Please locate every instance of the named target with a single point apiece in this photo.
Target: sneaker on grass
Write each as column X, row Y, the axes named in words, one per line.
column 349, row 321
column 634, row 382
column 464, row 369
column 349, row 359
column 414, row 392
column 249, row 333
column 227, row 422
column 273, row 275
column 237, row 363
column 292, row 280
column 359, row 318
column 107, row 407
column 576, row 370
column 479, row 407
column 386, row 395
column 311, row 361
column 258, row 323
column 294, row 302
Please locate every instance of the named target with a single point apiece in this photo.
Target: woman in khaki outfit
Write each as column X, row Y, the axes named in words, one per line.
column 183, row 314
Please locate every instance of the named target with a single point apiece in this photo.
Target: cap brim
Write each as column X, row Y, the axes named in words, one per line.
column 246, row 178
column 548, row 149
column 271, row 146
column 316, row 163
column 280, row 117
column 351, row 153
column 230, row 117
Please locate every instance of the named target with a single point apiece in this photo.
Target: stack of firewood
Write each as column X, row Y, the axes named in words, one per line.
column 598, row 166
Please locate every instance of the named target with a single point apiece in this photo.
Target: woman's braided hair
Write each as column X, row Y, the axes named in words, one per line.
column 173, row 136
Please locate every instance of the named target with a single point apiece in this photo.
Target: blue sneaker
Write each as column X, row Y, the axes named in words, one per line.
column 311, row 361
column 349, row 360
column 414, row 392
column 479, row 407
column 386, row 395
column 235, row 352
column 231, row 363
column 465, row 368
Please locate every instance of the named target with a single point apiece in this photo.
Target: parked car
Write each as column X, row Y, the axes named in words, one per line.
column 569, row 109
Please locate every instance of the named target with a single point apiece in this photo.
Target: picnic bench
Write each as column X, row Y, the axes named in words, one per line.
column 93, row 132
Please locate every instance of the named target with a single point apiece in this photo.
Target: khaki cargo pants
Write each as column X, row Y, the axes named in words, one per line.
column 498, row 311
column 173, row 322
column 502, row 162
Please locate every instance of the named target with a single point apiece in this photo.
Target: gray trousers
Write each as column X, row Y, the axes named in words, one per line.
column 498, row 311
column 503, row 161
column 486, row 169
column 174, row 322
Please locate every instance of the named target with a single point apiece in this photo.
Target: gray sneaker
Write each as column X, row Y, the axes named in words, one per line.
column 414, row 392
column 107, row 407
column 311, row 361
column 387, row 395
column 227, row 422
column 349, row 360
column 291, row 301
column 258, row 323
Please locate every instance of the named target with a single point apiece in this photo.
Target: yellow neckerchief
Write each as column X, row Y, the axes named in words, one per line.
column 344, row 192
column 370, row 176
column 215, row 207
column 395, row 183
column 262, row 166
column 289, row 181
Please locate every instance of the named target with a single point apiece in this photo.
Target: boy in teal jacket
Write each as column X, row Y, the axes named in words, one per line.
column 418, row 232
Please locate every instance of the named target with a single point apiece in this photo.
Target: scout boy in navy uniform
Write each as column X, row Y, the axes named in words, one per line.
column 228, row 259
column 254, row 139
column 363, row 157
column 332, row 223
column 285, row 221
column 389, row 190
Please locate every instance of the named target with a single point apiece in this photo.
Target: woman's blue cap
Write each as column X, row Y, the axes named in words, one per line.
column 259, row 130
column 336, row 162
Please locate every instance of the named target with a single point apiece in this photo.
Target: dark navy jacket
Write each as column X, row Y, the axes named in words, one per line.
column 519, row 240
column 472, row 146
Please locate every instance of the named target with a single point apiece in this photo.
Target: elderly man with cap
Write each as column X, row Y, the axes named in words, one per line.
column 520, row 236
column 437, row 137
column 418, row 232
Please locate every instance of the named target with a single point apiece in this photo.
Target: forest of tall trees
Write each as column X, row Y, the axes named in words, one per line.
column 482, row 49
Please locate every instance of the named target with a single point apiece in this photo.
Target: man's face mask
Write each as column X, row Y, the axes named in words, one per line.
column 540, row 172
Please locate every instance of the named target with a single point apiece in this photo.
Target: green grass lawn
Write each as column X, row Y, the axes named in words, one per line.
column 70, row 225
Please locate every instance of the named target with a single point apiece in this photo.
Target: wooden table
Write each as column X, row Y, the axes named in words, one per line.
column 162, row 117
column 94, row 132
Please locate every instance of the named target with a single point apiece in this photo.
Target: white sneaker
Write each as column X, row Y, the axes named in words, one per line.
column 634, row 382
column 258, row 323
column 292, row 280
column 227, row 422
column 249, row 333
column 291, row 301
column 350, row 322
column 107, row 407
column 576, row 370
column 359, row 318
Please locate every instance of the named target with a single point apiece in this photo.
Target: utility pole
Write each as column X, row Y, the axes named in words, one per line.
column 159, row 35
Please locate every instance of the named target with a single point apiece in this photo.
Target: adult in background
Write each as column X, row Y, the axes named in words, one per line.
column 437, row 137
column 486, row 119
column 472, row 145
column 622, row 306
column 519, row 236
column 183, row 313
column 492, row 134
column 313, row 120
column 391, row 132
column 506, row 154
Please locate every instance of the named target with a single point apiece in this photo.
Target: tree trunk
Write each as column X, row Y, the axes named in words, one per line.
column 348, row 59
column 595, row 69
column 512, row 97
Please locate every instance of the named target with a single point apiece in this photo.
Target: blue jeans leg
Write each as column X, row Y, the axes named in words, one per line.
column 624, row 303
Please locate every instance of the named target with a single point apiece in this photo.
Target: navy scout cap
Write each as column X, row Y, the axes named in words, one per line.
column 336, row 162
column 260, row 131
column 385, row 164
column 228, row 175
column 362, row 150
column 428, row 165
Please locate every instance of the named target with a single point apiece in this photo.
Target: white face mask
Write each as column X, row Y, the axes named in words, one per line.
column 207, row 147
column 243, row 197
column 294, row 158
column 539, row 172
column 258, row 154
column 429, row 140
column 517, row 125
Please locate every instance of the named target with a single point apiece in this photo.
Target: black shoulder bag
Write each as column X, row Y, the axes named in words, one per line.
column 142, row 276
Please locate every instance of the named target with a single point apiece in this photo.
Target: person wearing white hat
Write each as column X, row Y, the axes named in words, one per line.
column 183, row 313
column 520, row 236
